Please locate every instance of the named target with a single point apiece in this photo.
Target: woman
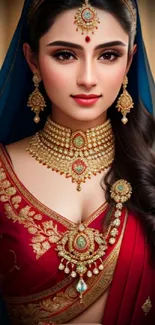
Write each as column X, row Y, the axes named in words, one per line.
column 77, row 230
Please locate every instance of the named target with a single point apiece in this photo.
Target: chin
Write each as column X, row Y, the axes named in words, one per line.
column 87, row 116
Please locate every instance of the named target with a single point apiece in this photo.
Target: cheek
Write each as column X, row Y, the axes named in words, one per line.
column 52, row 76
column 112, row 80
column 115, row 76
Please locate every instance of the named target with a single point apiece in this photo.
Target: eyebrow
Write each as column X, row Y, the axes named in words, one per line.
column 79, row 47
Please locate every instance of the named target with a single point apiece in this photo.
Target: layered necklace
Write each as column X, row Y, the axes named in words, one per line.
column 78, row 155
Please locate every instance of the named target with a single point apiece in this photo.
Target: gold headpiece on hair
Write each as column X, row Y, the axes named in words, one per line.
column 129, row 3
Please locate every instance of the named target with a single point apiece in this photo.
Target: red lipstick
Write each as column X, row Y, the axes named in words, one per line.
column 86, row 100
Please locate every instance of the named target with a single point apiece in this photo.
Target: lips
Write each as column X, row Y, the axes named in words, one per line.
column 86, row 100
column 84, row 96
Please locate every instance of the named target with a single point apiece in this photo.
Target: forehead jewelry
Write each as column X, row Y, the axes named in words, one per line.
column 86, row 19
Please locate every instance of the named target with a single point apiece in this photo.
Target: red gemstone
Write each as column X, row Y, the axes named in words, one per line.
column 87, row 39
column 79, row 167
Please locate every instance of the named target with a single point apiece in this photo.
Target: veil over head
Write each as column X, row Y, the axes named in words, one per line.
column 16, row 120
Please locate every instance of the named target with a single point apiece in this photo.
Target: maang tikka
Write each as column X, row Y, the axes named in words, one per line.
column 86, row 19
column 36, row 100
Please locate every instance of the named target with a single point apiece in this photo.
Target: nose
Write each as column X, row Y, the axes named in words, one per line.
column 86, row 76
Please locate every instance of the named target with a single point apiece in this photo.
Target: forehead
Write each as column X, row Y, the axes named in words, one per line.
column 64, row 28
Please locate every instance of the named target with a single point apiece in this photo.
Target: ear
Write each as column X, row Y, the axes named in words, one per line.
column 134, row 50
column 31, row 58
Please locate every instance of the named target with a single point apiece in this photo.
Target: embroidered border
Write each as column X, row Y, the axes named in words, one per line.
column 40, row 206
column 65, row 304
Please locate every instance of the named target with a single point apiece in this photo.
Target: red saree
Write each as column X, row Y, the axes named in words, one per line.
column 35, row 290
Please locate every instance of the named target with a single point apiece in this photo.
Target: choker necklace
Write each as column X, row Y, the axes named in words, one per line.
column 77, row 154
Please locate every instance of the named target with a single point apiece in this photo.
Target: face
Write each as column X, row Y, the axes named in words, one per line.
column 81, row 68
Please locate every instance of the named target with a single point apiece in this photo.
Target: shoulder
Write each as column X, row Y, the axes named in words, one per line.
column 16, row 152
column 17, row 148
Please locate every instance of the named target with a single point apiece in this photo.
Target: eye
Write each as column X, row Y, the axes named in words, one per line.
column 64, row 55
column 110, row 55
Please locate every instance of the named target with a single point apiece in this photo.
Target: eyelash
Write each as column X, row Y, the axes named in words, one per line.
column 69, row 54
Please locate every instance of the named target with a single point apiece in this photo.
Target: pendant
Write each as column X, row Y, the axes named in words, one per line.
column 81, row 288
column 80, row 250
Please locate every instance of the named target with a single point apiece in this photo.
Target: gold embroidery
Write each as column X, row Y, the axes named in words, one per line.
column 10, row 191
column 54, row 308
column 2, row 174
column 16, row 200
column 62, row 306
column 147, row 306
column 6, row 184
column 42, row 235
column 4, row 198
column 32, row 313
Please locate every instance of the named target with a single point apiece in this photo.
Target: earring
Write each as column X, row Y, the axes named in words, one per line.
column 125, row 102
column 36, row 100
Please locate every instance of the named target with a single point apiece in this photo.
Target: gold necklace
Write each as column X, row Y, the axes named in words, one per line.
column 78, row 154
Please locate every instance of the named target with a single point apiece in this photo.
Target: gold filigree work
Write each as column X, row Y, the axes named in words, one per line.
column 147, row 306
column 77, row 155
column 43, row 234
column 86, row 18
column 62, row 303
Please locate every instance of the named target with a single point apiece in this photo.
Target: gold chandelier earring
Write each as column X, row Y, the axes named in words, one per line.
column 125, row 102
column 36, row 100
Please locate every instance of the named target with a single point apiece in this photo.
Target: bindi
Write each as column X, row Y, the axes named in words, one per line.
column 87, row 39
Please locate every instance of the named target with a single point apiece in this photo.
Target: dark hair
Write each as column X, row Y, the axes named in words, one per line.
column 134, row 158
column 49, row 10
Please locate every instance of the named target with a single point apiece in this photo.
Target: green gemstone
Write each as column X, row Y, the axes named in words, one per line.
column 81, row 242
column 87, row 15
column 79, row 169
column 120, row 188
column 79, row 141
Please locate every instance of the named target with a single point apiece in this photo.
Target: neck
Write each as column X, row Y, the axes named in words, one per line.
column 73, row 124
